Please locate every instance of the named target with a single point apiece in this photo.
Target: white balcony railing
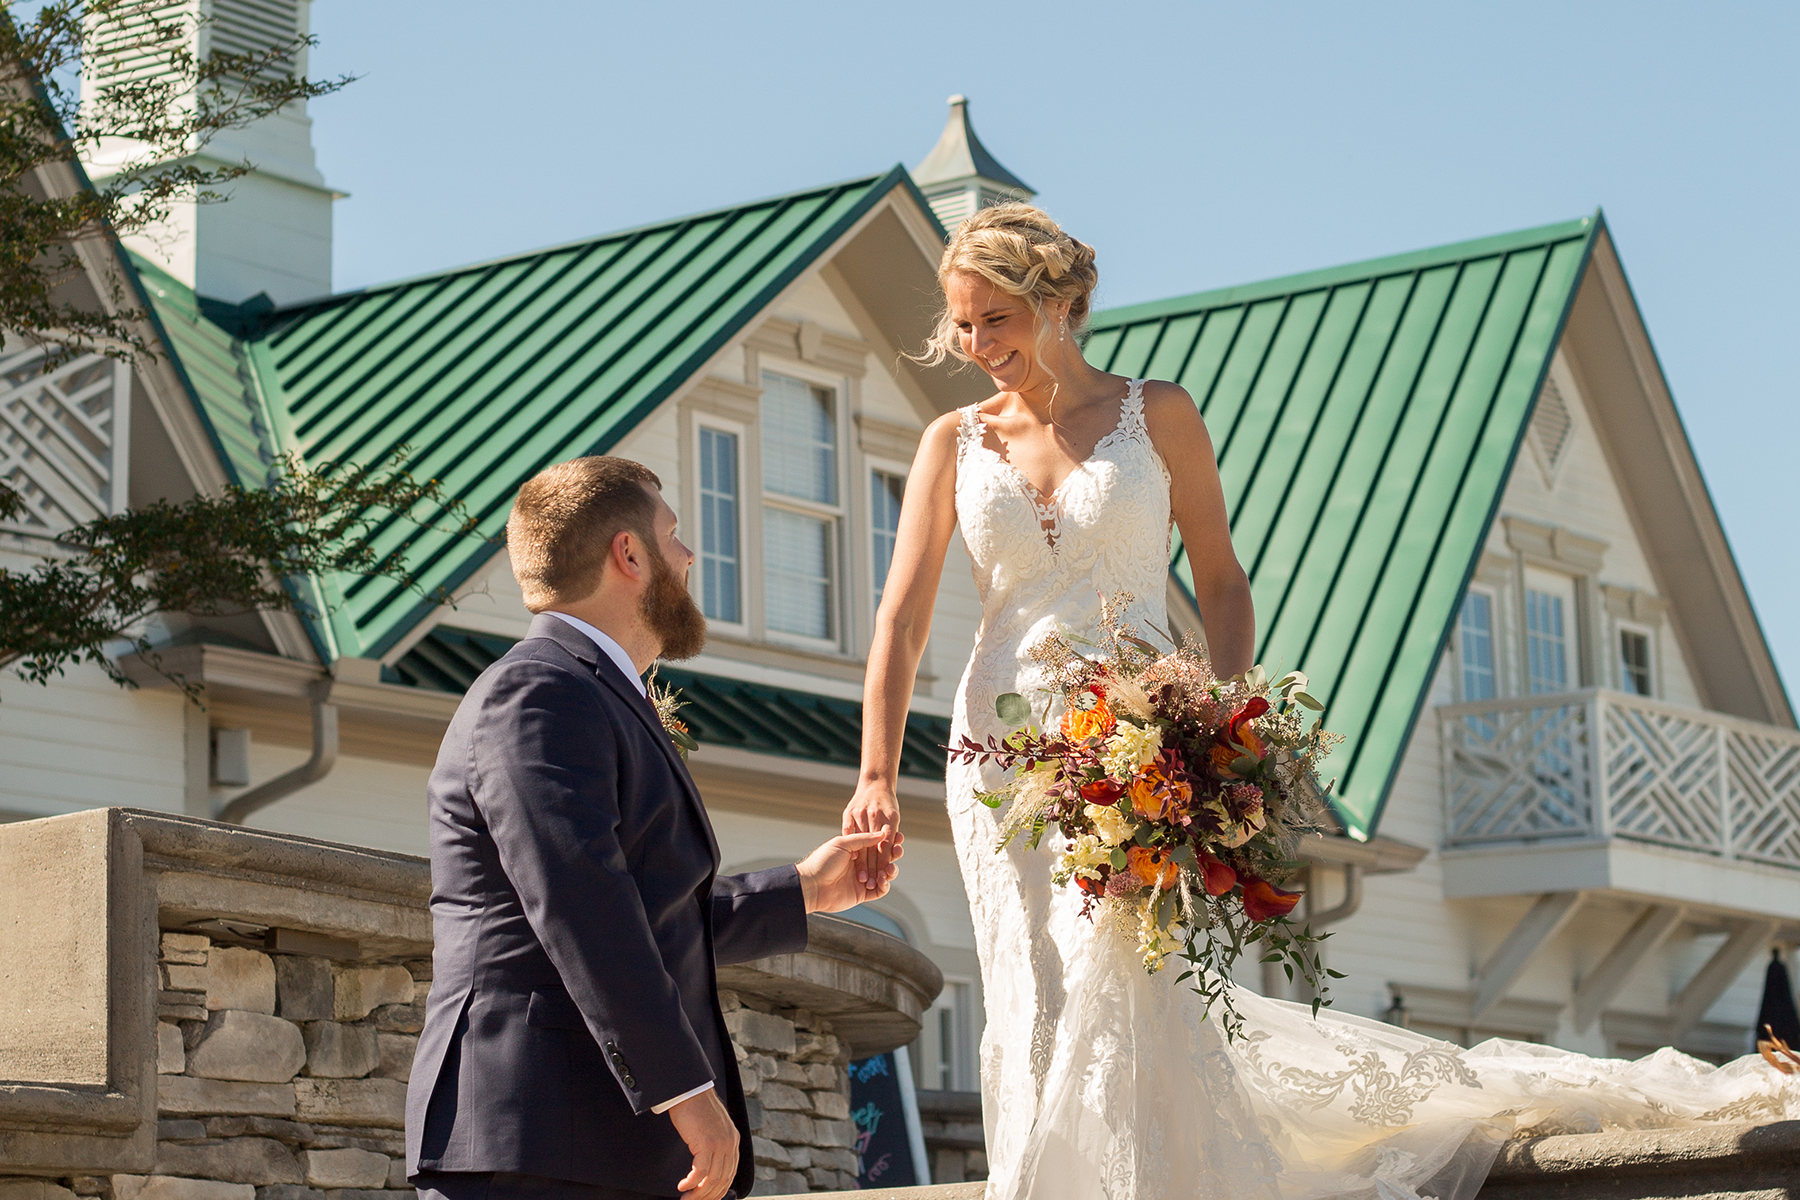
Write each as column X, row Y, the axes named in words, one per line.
column 1598, row 763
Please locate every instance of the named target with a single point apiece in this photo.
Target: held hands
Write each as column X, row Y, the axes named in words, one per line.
column 833, row 879
column 706, row 1127
column 874, row 809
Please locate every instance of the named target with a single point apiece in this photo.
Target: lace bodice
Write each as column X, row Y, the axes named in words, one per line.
column 1041, row 561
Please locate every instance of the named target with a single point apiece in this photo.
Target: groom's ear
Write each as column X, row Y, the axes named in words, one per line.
column 627, row 556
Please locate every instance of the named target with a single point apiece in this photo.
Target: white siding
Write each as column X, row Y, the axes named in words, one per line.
column 82, row 741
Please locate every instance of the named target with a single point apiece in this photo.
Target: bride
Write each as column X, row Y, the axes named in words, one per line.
column 1097, row 1078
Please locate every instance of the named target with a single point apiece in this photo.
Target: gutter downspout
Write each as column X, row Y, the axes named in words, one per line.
column 1274, row 979
column 324, row 757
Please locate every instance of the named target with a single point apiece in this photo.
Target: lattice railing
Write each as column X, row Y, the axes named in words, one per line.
column 59, row 433
column 1527, row 769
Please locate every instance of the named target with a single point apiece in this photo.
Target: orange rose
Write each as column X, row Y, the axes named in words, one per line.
column 1263, row 901
column 1096, row 722
column 1155, row 795
column 1147, row 866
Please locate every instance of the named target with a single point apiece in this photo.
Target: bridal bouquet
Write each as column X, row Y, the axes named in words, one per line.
column 1179, row 798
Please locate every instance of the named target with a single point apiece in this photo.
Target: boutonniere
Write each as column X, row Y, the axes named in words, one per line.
column 667, row 701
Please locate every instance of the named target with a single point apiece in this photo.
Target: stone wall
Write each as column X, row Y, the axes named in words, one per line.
column 279, row 1077
column 227, row 1014
column 798, row 1094
column 955, row 1144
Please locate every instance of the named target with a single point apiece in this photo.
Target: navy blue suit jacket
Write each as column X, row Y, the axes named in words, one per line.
column 578, row 916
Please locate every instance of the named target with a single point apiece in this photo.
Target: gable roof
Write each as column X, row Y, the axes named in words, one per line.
column 489, row 373
column 1366, row 419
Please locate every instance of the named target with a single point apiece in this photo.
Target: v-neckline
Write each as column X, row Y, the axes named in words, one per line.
column 1040, row 500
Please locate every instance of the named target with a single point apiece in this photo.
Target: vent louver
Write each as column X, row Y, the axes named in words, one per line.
column 1550, row 424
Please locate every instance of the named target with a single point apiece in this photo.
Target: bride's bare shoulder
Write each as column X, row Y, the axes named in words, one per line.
column 1168, row 406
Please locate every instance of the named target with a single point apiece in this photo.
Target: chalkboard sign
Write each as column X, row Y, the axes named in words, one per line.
column 883, row 1144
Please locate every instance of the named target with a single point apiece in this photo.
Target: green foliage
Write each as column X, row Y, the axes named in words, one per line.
column 156, row 120
column 246, row 549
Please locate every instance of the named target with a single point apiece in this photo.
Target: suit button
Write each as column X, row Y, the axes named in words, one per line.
column 630, row 1082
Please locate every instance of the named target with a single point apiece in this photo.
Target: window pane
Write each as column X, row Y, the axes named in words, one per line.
column 1477, row 647
column 1545, row 643
column 719, row 595
column 797, row 572
column 884, row 518
column 799, row 439
column 1634, row 662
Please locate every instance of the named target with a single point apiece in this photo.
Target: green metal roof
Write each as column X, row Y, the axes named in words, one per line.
column 216, row 368
column 1366, row 419
column 491, row 372
column 718, row 711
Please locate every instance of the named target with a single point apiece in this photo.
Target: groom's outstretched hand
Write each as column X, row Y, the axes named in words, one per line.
column 832, row 877
column 712, row 1139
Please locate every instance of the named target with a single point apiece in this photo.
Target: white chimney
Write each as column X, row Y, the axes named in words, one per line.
column 273, row 234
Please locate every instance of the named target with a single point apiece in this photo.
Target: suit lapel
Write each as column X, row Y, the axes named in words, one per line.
column 609, row 674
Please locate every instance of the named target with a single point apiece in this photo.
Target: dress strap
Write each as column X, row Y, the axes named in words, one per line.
column 968, row 431
column 1131, row 409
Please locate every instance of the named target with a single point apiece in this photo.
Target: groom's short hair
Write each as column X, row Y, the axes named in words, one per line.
column 564, row 520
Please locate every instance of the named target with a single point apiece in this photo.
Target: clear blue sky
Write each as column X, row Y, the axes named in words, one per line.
column 1195, row 145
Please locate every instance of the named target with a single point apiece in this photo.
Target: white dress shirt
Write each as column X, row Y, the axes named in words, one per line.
column 617, row 653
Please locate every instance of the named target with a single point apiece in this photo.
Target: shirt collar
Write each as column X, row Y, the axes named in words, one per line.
column 609, row 647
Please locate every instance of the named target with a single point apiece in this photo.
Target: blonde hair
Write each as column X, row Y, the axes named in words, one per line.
column 1021, row 251
column 564, row 519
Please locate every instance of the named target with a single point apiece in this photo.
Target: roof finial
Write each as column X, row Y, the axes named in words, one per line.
column 959, row 176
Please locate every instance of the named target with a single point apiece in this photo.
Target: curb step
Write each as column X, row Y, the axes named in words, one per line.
column 1720, row 1162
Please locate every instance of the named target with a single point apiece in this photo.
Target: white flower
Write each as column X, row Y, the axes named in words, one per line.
column 1109, row 823
column 1086, row 852
column 1130, row 748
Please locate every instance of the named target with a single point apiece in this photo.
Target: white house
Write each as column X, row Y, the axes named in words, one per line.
column 1570, row 794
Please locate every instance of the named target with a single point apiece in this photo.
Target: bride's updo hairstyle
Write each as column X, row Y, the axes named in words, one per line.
column 1022, row 252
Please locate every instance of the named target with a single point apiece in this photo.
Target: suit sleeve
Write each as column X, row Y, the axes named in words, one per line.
column 546, row 762
column 756, row 915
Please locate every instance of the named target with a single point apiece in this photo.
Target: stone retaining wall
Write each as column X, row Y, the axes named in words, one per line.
column 228, row 1014
column 798, row 1094
column 279, row 1077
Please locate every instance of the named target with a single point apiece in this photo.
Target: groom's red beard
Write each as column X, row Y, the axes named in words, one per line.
column 670, row 612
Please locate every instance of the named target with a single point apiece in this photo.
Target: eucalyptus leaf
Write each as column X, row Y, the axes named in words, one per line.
column 1308, row 701
column 1118, row 858
column 1146, row 647
column 1256, row 678
column 1244, row 766
column 1012, row 708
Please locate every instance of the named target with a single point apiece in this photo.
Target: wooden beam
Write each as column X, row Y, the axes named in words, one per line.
column 1597, row 990
column 1747, row 941
column 1546, row 918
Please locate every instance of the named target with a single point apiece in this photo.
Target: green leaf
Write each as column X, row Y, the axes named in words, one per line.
column 1335, row 974
column 684, row 740
column 1012, row 708
column 1256, row 678
column 1302, row 698
column 1146, row 647
column 1118, row 858
column 1245, row 766
column 991, row 799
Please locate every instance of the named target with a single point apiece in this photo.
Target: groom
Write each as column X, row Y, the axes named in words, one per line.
column 573, row 1046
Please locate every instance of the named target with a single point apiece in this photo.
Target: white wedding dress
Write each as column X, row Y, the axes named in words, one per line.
column 1101, row 1080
